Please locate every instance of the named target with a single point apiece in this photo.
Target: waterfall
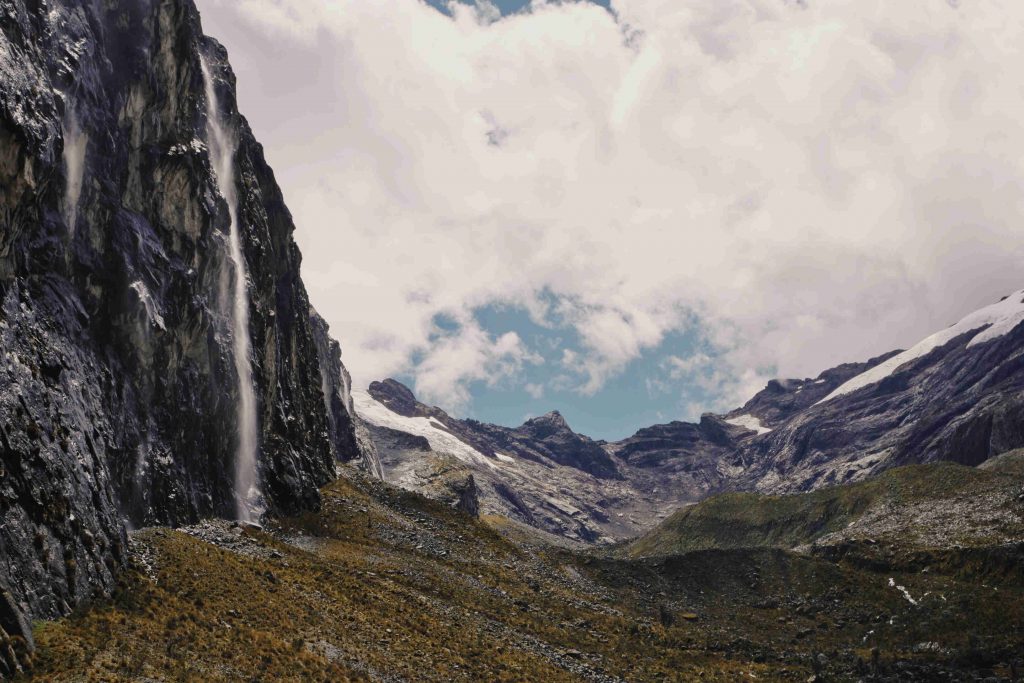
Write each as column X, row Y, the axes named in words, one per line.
column 222, row 143
column 75, row 142
column 346, row 395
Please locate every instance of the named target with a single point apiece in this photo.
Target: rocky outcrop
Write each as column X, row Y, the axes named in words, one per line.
column 409, row 461
column 958, row 396
column 118, row 386
column 959, row 402
column 550, row 434
column 347, row 434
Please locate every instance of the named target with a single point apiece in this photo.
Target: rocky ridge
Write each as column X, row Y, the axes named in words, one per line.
column 542, row 473
column 958, row 396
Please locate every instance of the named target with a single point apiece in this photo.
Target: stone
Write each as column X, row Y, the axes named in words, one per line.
column 118, row 392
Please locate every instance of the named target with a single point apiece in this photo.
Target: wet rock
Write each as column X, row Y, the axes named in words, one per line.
column 13, row 621
column 344, row 425
column 118, row 387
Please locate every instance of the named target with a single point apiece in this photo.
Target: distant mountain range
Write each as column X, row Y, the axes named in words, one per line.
column 162, row 365
column 956, row 396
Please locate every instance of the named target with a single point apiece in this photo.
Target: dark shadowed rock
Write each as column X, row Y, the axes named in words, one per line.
column 118, row 389
column 398, row 398
column 344, row 428
column 552, row 436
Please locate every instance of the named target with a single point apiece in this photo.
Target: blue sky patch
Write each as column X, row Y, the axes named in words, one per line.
column 650, row 389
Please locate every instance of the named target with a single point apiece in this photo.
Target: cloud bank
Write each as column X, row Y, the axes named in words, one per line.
column 802, row 183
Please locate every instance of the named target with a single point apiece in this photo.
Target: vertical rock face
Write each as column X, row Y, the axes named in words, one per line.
column 349, row 436
column 117, row 377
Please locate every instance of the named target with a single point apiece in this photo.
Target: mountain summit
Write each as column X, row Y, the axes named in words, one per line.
column 956, row 396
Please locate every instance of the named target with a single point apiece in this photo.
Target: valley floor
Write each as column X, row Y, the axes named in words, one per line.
column 384, row 585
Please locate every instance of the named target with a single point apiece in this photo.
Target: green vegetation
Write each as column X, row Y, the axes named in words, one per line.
column 914, row 503
column 384, row 585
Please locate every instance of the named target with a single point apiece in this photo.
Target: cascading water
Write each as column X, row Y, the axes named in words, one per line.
column 75, row 142
column 222, row 143
column 346, row 387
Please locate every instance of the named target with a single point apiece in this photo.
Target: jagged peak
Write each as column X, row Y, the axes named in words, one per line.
column 393, row 388
column 552, row 419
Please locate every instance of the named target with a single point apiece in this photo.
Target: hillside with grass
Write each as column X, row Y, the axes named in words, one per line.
column 940, row 505
column 386, row 585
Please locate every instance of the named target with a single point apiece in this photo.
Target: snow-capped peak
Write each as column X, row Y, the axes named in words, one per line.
column 994, row 321
column 440, row 440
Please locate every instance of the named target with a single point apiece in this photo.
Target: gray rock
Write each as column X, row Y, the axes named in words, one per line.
column 958, row 402
column 117, row 382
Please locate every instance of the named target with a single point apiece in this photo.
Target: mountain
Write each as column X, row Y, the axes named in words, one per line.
column 912, row 508
column 162, row 367
column 161, row 361
column 957, row 396
column 541, row 473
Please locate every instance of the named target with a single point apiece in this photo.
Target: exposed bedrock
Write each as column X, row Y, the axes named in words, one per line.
column 118, row 381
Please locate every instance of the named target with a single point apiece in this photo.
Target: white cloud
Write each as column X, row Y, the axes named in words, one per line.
column 680, row 368
column 468, row 355
column 727, row 384
column 817, row 184
column 534, row 390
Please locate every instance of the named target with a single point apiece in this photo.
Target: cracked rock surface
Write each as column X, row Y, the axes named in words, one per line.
column 117, row 382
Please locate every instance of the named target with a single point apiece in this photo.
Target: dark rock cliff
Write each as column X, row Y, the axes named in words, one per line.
column 960, row 402
column 118, row 389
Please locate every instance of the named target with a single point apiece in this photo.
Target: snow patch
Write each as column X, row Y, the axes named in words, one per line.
column 196, row 146
column 902, row 589
column 749, row 422
column 440, row 440
column 994, row 321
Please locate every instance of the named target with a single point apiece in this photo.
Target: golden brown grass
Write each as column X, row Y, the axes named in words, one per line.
column 384, row 585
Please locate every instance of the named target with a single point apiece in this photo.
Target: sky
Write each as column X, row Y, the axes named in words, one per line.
column 642, row 210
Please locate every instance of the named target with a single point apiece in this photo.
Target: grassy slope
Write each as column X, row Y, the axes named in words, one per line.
column 387, row 586
column 373, row 598
column 748, row 520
